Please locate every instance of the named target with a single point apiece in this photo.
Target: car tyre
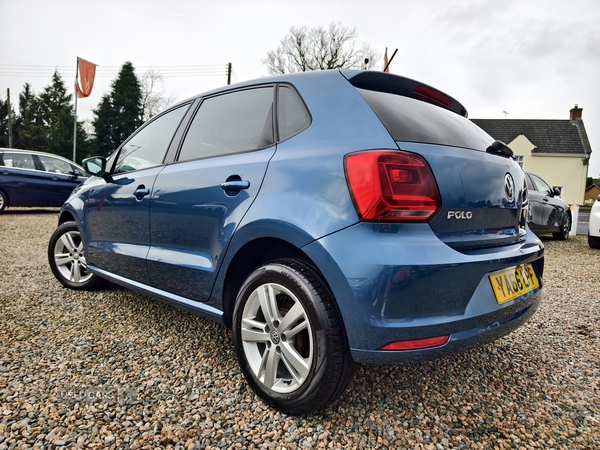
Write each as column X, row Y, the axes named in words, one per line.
column 3, row 201
column 67, row 259
column 563, row 234
column 289, row 337
column 593, row 241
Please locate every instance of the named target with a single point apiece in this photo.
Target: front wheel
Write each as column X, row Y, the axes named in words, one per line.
column 3, row 201
column 67, row 259
column 289, row 337
column 563, row 234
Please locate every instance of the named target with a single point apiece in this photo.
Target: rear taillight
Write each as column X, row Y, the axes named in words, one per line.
column 392, row 187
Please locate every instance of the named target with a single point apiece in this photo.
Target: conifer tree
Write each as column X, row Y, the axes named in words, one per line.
column 120, row 112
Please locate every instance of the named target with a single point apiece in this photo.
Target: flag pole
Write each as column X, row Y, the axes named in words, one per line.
column 75, row 114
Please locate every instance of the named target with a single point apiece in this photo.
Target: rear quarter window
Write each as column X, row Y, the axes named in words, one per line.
column 292, row 115
column 410, row 120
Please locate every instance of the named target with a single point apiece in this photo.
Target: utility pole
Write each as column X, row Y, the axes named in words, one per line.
column 228, row 74
column 75, row 114
column 9, row 119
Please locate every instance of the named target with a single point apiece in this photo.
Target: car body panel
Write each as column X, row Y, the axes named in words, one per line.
column 391, row 281
column 33, row 184
column 547, row 209
column 475, row 209
column 191, row 227
column 447, row 289
column 118, row 224
column 594, row 221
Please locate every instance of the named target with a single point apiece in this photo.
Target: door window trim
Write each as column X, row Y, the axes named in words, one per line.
column 200, row 101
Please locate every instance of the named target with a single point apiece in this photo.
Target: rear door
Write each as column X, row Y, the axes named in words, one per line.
column 117, row 213
column 198, row 201
column 24, row 184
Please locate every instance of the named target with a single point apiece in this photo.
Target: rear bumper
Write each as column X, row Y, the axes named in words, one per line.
column 459, row 341
column 400, row 282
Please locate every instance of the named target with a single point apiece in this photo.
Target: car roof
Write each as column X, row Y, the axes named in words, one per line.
column 36, row 152
column 367, row 79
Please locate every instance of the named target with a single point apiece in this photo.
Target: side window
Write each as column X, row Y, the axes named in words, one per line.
column 147, row 148
column 530, row 185
column 19, row 160
column 540, row 185
column 55, row 165
column 292, row 116
column 230, row 123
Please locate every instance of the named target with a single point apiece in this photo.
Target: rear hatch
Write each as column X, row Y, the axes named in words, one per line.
column 482, row 189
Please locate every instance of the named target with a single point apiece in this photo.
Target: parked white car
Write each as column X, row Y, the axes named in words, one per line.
column 594, row 228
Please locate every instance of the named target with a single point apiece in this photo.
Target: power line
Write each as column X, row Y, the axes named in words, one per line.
column 22, row 70
column 234, row 74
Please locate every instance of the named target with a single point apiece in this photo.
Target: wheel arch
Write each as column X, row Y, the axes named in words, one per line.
column 66, row 216
column 250, row 256
column 6, row 197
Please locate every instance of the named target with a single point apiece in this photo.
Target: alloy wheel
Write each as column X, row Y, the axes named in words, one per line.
column 70, row 259
column 277, row 338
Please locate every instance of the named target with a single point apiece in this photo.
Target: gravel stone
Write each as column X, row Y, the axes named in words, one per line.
column 114, row 369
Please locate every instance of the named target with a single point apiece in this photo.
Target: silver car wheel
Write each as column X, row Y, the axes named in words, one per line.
column 69, row 258
column 277, row 338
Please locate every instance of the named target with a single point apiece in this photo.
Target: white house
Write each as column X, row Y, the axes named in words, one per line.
column 556, row 150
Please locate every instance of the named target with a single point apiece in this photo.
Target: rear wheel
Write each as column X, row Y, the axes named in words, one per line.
column 289, row 337
column 563, row 234
column 3, row 201
column 593, row 241
column 67, row 259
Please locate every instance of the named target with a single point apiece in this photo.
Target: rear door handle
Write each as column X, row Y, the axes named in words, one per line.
column 235, row 185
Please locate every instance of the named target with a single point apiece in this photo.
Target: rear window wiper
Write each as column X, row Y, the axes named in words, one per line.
column 501, row 149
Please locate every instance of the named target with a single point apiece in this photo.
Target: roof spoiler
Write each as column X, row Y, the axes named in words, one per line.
column 395, row 84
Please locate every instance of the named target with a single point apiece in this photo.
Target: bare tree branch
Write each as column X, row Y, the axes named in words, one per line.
column 319, row 48
column 154, row 98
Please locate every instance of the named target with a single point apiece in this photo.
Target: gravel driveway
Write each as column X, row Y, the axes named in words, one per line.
column 116, row 369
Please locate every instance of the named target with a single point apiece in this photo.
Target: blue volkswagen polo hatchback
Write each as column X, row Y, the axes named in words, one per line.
column 328, row 218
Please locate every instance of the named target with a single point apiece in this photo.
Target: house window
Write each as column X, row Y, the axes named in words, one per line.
column 519, row 160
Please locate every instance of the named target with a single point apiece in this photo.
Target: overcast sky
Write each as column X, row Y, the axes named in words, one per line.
column 534, row 59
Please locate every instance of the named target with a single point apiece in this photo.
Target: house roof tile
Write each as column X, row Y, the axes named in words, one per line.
column 549, row 136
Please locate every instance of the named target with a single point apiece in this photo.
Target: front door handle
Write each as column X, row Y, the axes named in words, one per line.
column 141, row 192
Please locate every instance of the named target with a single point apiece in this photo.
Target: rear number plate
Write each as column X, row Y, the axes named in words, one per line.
column 513, row 283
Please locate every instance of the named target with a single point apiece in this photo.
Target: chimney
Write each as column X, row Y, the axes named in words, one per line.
column 576, row 112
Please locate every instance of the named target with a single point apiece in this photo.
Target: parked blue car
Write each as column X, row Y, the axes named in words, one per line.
column 328, row 218
column 30, row 178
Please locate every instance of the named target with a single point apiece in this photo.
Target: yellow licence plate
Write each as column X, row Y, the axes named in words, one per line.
column 512, row 283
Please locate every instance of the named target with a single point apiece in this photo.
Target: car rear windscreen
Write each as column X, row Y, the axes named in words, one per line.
column 412, row 120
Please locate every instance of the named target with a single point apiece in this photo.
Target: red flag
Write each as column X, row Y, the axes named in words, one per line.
column 385, row 62
column 87, row 72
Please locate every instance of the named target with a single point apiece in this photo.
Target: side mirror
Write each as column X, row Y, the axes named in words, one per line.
column 96, row 165
column 556, row 191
